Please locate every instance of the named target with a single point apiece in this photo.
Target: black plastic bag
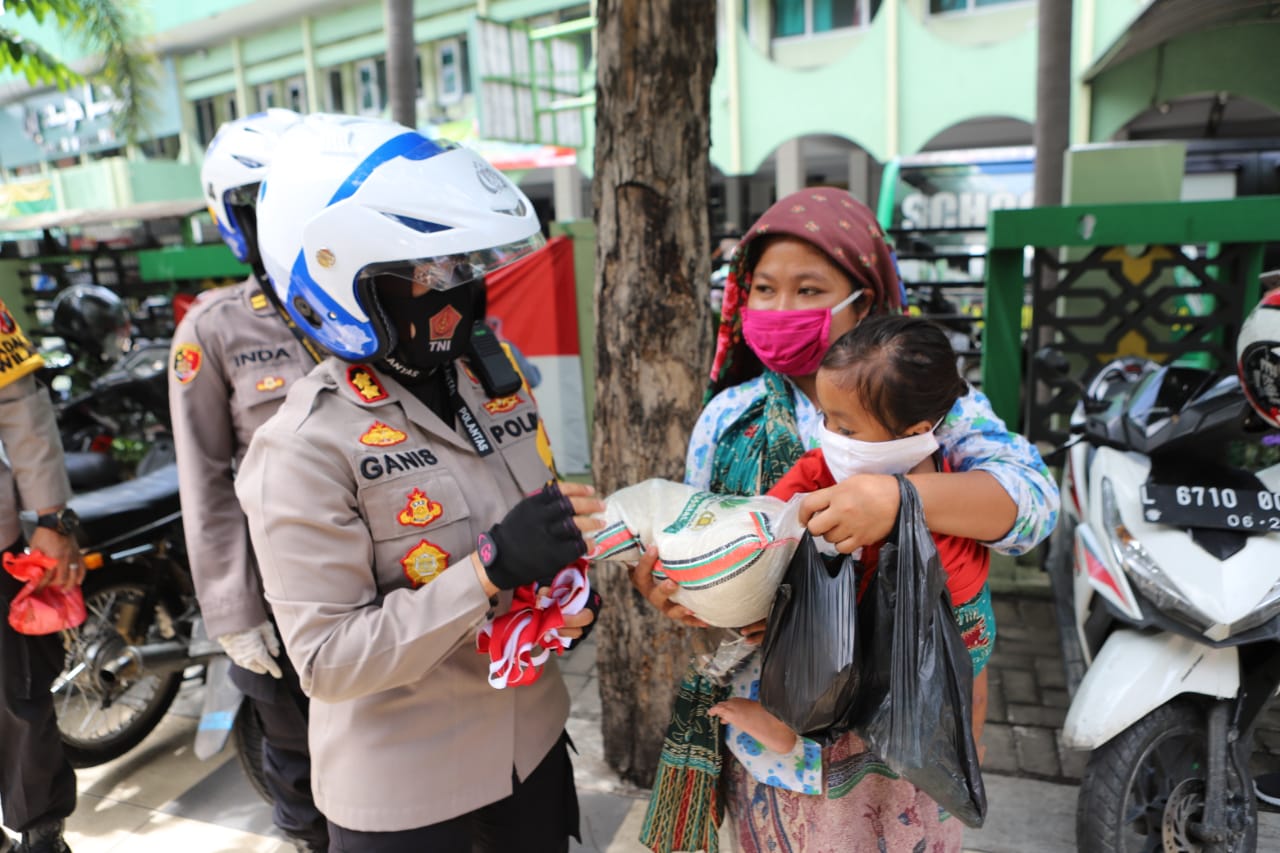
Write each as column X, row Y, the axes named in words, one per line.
column 809, row 670
column 915, row 708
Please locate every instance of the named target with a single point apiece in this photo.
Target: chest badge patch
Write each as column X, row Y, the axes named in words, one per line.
column 258, row 301
column 381, row 435
column 502, row 405
column 187, row 359
column 424, row 563
column 269, row 383
column 420, row 510
column 365, row 384
column 443, row 322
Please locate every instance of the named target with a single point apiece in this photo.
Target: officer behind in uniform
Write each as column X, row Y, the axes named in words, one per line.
column 403, row 489
column 233, row 359
column 37, row 785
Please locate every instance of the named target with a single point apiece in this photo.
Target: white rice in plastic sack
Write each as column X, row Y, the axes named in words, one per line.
column 727, row 553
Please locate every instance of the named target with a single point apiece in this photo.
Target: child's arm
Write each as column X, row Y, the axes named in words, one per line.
column 750, row 716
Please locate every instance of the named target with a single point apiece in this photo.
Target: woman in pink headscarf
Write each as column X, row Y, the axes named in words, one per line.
column 810, row 269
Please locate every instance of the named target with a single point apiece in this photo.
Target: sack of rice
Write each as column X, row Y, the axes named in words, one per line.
column 727, row 553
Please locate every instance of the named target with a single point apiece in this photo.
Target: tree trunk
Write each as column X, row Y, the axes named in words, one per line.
column 1053, row 115
column 654, row 329
column 402, row 78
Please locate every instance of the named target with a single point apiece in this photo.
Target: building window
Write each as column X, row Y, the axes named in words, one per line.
column 267, row 96
column 942, row 7
column 452, row 80
column 231, row 108
column 799, row 18
column 333, row 96
column 295, row 94
column 371, row 85
column 206, row 121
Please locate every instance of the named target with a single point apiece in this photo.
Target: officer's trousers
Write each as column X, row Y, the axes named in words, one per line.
column 282, row 708
column 538, row 817
column 37, row 783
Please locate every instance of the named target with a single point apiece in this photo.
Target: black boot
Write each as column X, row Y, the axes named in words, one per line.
column 44, row 838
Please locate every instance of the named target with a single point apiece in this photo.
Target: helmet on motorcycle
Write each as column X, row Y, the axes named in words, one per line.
column 1258, row 358
column 368, row 230
column 93, row 318
column 234, row 165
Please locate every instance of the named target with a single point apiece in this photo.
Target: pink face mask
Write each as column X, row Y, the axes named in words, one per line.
column 791, row 342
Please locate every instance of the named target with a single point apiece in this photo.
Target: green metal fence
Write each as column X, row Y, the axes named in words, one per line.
column 1164, row 280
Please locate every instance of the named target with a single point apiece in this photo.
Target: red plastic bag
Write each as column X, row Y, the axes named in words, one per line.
column 41, row 611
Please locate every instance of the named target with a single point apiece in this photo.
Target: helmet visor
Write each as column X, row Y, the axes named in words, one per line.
column 446, row 272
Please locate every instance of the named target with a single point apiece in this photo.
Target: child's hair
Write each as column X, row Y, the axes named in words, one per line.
column 903, row 370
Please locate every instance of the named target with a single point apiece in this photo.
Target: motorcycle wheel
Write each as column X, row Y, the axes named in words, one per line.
column 100, row 722
column 1144, row 789
column 247, row 731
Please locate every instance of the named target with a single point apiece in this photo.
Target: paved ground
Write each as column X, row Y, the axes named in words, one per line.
column 160, row 797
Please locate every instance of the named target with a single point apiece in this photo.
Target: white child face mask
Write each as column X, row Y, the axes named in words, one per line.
column 847, row 456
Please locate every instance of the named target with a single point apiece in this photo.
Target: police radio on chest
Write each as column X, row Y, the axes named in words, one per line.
column 490, row 363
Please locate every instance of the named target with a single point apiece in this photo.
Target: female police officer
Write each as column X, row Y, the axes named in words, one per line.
column 399, row 492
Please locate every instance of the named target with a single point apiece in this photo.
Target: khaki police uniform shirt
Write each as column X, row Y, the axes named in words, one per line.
column 231, row 363
column 364, row 507
column 33, row 473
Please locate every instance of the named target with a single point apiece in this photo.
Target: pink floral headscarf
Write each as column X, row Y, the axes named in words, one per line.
column 835, row 222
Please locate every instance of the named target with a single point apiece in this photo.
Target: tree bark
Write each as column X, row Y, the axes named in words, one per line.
column 654, row 329
column 402, row 79
column 1053, row 116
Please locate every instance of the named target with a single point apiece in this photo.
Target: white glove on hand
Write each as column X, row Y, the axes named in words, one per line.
column 255, row 649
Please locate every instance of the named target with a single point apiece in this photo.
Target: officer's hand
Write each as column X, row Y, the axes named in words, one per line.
column 255, row 649
column 540, row 535
column 69, row 571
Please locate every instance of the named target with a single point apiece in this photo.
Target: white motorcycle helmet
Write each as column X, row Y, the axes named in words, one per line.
column 235, row 163
column 1258, row 358
column 355, row 212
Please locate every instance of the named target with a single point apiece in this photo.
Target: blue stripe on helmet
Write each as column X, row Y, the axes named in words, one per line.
column 339, row 332
column 411, row 146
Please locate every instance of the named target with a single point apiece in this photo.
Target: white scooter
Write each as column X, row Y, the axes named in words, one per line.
column 1166, row 575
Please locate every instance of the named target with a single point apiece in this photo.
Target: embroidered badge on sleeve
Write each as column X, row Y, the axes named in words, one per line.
column 187, row 359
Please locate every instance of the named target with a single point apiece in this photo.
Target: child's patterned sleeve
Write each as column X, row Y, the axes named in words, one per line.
column 799, row 770
column 973, row 438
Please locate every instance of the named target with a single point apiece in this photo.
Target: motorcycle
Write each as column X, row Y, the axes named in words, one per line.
column 1165, row 570
column 125, row 664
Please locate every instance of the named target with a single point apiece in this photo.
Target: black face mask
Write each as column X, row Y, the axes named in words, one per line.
column 432, row 329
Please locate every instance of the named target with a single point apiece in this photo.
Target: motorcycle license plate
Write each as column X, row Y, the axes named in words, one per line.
column 1246, row 510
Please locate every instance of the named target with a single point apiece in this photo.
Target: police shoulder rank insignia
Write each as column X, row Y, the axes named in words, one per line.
column 502, row 405
column 424, row 563
column 420, row 510
column 365, row 384
column 187, row 359
column 258, row 301
column 381, row 435
column 270, row 383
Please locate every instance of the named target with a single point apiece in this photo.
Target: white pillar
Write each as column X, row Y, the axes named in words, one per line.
column 789, row 163
column 567, row 187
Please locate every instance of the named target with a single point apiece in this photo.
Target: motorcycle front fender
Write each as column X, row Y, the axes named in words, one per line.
column 1135, row 673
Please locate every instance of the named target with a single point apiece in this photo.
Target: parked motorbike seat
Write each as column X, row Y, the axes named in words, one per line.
column 112, row 512
column 88, row 471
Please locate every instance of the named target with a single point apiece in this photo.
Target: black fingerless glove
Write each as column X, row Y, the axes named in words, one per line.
column 536, row 539
column 593, row 604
